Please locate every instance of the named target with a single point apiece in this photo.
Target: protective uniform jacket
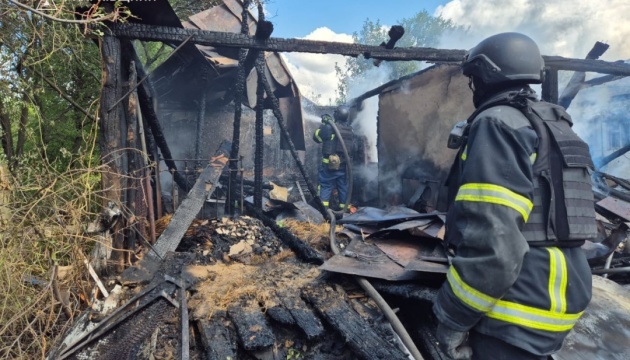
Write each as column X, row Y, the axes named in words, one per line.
column 527, row 288
column 326, row 136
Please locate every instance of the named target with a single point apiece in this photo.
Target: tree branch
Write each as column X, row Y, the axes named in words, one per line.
column 63, row 95
column 113, row 16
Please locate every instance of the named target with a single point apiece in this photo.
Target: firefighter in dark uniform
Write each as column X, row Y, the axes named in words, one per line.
column 520, row 207
column 332, row 170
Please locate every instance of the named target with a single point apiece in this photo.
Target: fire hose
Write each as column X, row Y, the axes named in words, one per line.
column 364, row 283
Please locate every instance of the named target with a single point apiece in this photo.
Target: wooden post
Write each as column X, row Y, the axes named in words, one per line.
column 550, row 85
column 111, row 135
column 5, row 194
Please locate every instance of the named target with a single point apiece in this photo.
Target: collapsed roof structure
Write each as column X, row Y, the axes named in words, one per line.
column 229, row 288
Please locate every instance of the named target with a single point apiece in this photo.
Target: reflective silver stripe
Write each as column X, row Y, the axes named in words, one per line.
column 533, row 318
column 466, row 293
column 557, row 280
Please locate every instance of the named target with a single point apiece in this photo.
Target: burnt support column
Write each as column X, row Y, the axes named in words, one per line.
column 111, row 135
column 550, row 85
column 238, row 104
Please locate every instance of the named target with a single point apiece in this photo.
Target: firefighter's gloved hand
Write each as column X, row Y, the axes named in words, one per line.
column 453, row 343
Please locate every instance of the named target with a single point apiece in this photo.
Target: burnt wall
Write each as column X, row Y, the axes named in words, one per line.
column 180, row 128
column 414, row 120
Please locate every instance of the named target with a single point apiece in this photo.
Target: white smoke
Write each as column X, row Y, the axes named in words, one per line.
column 561, row 27
column 567, row 28
column 365, row 121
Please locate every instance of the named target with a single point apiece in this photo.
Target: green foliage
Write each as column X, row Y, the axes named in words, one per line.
column 40, row 60
column 421, row 30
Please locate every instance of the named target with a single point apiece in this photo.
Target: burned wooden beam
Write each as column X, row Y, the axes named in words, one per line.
column 218, row 336
column 365, row 342
column 576, row 83
column 550, row 86
column 599, row 66
column 226, row 39
column 304, row 317
column 190, row 207
column 251, row 325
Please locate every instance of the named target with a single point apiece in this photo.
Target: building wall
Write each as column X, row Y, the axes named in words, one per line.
column 414, row 120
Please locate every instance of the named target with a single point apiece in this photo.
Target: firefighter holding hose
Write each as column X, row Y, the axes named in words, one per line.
column 332, row 170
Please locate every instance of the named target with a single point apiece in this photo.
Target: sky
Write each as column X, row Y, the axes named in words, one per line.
column 561, row 27
column 298, row 18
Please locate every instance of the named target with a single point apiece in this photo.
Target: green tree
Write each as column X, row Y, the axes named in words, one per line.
column 421, row 30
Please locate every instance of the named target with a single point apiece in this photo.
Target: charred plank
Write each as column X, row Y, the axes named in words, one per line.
column 226, row 39
column 188, row 210
column 213, row 38
column 253, row 330
column 146, row 106
column 410, row 291
column 364, row 341
column 218, row 337
column 304, row 317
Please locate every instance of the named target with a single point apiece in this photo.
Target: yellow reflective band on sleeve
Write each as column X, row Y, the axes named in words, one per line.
column 475, row 299
column 332, row 137
column 465, row 153
column 557, row 280
column 495, row 194
column 325, row 203
column 325, row 160
column 531, row 317
column 319, row 139
column 532, row 158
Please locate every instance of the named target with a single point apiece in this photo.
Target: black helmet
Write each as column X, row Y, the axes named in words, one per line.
column 341, row 113
column 505, row 57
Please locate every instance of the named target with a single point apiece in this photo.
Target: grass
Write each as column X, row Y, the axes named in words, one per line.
column 44, row 211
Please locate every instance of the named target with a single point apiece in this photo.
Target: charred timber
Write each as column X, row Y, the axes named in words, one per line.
column 226, row 39
column 356, row 331
column 218, row 336
column 190, row 207
column 214, row 38
column 577, row 80
column 146, row 106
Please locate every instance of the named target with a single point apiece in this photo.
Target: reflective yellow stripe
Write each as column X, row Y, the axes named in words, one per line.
column 475, row 299
column 495, row 194
column 532, row 158
column 325, row 160
column 325, row 203
column 557, row 280
column 332, row 137
column 510, row 312
column 319, row 139
column 465, row 153
column 531, row 317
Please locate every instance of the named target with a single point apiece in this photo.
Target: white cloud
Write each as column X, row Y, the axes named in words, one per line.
column 315, row 73
column 562, row 27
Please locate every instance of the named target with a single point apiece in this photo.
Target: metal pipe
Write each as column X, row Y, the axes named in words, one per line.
column 619, row 270
column 608, row 261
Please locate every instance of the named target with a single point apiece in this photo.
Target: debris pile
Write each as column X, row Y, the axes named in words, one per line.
column 243, row 239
